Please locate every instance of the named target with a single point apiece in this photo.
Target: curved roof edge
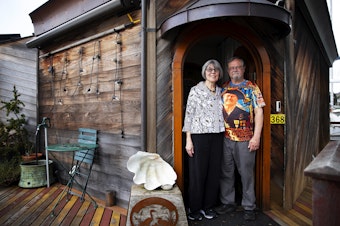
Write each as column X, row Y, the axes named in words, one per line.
column 206, row 9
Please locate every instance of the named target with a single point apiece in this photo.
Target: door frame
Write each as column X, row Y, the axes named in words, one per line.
column 262, row 64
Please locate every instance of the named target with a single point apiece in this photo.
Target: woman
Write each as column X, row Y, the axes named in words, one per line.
column 204, row 129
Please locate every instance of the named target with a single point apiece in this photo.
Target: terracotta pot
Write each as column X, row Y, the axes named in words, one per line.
column 31, row 157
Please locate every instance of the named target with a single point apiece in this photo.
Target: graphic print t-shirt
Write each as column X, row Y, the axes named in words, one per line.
column 239, row 114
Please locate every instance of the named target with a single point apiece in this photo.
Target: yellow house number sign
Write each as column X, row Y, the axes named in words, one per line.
column 277, row 118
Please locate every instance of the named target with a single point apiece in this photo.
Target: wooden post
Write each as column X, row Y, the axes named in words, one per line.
column 325, row 173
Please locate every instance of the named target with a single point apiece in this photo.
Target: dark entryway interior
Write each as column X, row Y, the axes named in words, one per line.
column 220, row 48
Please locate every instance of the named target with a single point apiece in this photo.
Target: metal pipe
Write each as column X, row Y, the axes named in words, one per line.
column 88, row 39
column 143, row 77
column 46, row 123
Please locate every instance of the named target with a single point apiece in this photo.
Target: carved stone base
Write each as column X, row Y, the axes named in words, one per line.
column 156, row 207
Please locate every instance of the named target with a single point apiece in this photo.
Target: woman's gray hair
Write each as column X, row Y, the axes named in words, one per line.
column 217, row 66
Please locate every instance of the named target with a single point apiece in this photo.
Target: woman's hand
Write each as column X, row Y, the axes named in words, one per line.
column 189, row 147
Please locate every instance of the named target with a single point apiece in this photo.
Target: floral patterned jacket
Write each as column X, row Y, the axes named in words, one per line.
column 203, row 113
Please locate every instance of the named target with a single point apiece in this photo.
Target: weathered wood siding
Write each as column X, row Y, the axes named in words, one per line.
column 277, row 88
column 96, row 85
column 307, row 107
column 164, row 100
column 18, row 66
column 300, row 80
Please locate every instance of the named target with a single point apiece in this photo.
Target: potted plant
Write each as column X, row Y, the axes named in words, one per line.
column 14, row 139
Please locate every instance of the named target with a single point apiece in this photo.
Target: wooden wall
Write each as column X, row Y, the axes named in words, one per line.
column 300, row 80
column 307, row 109
column 18, row 66
column 165, row 100
column 97, row 85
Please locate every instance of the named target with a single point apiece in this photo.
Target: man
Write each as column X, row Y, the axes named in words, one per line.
column 243, row 127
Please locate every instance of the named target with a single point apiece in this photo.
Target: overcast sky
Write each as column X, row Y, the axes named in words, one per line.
column 14, row 16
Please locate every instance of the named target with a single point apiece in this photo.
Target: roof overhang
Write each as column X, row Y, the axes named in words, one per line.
column 320, row 26
column 206, row 9
column 56, row 18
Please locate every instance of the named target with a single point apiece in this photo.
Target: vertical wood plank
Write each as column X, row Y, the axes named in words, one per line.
column 17, row 205
column 96, row 219
column 81, row 213
column 58, row 219
column 40, row 214
column 28, row 210
column 106, row 217
column 72, row 213
column 88, row 216
column 116, row 219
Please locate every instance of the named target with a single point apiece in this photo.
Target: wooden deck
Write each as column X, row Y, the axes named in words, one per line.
column 299, row 215
column 19, row 206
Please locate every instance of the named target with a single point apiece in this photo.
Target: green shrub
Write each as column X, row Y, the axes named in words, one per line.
column 9, row 166
column 14, row 139
column 13, row 133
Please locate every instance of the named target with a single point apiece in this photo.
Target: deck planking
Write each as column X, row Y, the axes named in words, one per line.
column 299, row 215
column 20, row 206
column 33, row 206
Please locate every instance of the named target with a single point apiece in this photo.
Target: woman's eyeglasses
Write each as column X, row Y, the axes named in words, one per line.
column 212, row 69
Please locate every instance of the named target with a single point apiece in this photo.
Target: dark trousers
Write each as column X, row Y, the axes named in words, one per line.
column 204, row 171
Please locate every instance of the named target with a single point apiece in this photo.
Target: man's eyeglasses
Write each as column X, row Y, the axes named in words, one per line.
column 235, row 68
column 212, row 69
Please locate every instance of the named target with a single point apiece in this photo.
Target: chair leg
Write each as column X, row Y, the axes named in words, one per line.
column 87, row 180
column 85, row 192
column 74, row 172
column 61, row 196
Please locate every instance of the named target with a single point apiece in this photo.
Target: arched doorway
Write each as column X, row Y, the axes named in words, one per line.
column 237, row 41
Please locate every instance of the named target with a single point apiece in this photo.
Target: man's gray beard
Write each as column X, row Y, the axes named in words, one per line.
column 237, row 77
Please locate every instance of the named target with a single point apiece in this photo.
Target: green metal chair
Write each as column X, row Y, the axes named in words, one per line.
column 81, row 165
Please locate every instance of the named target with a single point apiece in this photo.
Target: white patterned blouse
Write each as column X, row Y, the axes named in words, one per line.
column 203, row 113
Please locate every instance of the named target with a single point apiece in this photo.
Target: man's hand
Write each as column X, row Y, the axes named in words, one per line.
column 254, row 144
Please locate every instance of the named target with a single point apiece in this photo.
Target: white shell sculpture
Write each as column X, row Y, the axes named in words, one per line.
column 151, row 170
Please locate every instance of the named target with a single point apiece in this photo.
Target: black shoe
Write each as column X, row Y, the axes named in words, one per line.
column 209, row 213
column 195, row 216
column 223, row 209
column 249, row 215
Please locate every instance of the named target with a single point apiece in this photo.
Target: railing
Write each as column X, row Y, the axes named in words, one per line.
column 325, row 173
